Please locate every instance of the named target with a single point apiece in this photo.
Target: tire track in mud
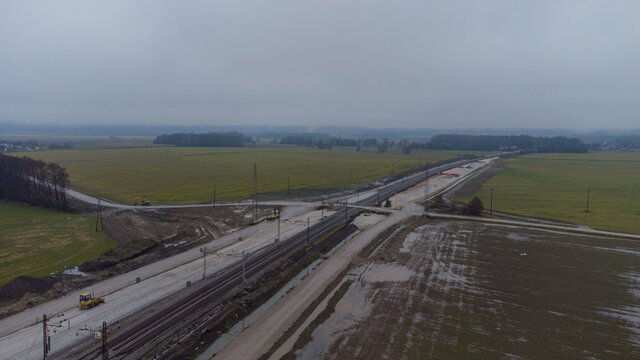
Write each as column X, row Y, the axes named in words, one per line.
column 396, row 305
column 440, row 258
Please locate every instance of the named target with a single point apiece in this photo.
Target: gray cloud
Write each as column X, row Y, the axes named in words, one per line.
column 538, row 64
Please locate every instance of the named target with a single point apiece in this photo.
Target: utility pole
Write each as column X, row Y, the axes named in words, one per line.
column 244, row 266
column 322, row 209
column 105, row 351
column 278, row 238
column 245, row 255
column 426, row 183
column 204, row 261
column 307, row 231
column 588, row 196
column 46, row 340
column 491, row 206
column 98, row 215
column 358, row 191
column 255, row 193
column 214, row 195
column 346, row 203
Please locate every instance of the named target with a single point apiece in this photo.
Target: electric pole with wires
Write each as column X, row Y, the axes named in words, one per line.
column 255, row 193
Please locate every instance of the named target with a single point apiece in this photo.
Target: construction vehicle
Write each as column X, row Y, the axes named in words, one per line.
column 387, row 204
column 276, row 214
column 141, row 201
column 88, row 300
column 448, row 174
column 367, row 212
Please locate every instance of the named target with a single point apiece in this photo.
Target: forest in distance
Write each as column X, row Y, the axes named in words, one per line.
column 556, row 144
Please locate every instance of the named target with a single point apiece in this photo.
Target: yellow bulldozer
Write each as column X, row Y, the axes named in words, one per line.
column 140, row 201
column 88, row 300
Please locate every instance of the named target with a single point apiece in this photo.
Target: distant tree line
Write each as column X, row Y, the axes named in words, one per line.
column 61, row 146
column 33, row 181
column 330, row 142
column 327, row 142
column 628, row 142
column 558, row 144
column 230, row 139
column 298, row 140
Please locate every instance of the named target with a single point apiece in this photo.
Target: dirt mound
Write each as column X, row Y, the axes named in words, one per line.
column 21, row 285
column 99, row 265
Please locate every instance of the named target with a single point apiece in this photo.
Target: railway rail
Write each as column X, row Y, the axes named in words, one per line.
column 220, row 284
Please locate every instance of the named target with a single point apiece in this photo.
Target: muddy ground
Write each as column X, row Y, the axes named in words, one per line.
column 156, row 233
column 457, row 290
column 143, row 236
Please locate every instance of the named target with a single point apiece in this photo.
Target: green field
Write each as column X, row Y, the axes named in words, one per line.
column 36, row 241
column 555, row 186
column 173, row 175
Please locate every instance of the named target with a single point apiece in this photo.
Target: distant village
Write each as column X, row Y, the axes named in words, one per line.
column 10, row 146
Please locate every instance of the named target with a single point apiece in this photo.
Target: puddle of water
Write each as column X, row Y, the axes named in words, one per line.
column 175, row 244
column 354, row 306
column 518, row 237
column 408, row 242
column 556, row 313
column 633, row 278
column 387, row 272
column 288, row 344
column 631, row 315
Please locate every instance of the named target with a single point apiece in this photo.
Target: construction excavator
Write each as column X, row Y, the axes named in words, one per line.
column 88, row 300
column 140, row 201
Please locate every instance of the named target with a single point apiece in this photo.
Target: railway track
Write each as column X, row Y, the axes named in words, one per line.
column 144, row 332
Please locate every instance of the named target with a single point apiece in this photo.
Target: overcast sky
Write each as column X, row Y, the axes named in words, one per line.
column 412, row 64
